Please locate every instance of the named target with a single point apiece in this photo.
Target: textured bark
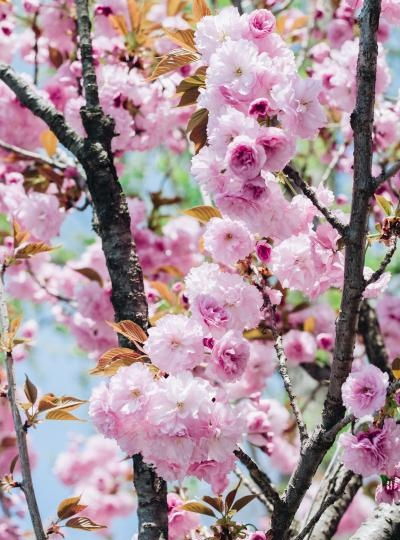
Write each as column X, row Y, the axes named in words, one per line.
column 383, row 525
column 363, row 187
column 113, row 226
column 369, row 329
column 328, row 523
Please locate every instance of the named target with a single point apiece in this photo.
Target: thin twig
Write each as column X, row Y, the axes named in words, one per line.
column 43, row 286
column 386, row 175
column 310, row 194
column 283, row 370
column 28, row 155
column 259, row 477
column 27, row 484
column 335, row 158
column 382, row 267
column 251, row 488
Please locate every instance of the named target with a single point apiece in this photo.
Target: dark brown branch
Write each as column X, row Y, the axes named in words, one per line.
column 369, row 329
column 362, row 125
column 113, row 226
column 259, row 477
column 383, row 525
column 384, row 263
column 283, row 370
column 310, row 194
column 42, row 108
column 386, row 175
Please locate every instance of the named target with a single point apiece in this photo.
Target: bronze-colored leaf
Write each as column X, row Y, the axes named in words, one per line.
column 198, row 508
column 60, row 414
column 46, row 402
column 49, row 142
column 189, row 97
column 20, row 236
column 32, row 249
column 30, row 390
column 134, row 14
column 396, row 367
column 119, row 24
column 130, row 330
column 242, row 502
column 200, row 9
column 197, row 118
column 229, row 499
column 197, row 80
column 115, row 358
column 184, row 38
column 83, row 523
column 215, row 502
column 69, row 507
column 91, row 274
column 55, row 56
column 172, row 61
column 13, row 463
column 203, row 213
column 175, row 6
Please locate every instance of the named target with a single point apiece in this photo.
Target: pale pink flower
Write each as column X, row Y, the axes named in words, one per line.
column 279, row 148
column 299, row 346
column 180, row 522
column 374, row 451
column 261, row 23
column 130, row 389
column 41, row 215
column 211, row 313
column 227, row 241
column 364, row 391
column 229, row 357
column 175, row 343
column 245, row 157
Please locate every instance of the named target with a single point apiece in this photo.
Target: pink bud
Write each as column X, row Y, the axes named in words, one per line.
column 264, row 251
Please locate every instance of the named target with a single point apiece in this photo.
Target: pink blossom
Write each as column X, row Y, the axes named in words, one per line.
column 212, row 314
column 279, row 148
column 261, row 23
column 227, row 241
column 245, row 157
column 229, row 357
column 374, row 451
column 258, row 535
column 40, row 214
column 364, row 391
column 259, row 108
column 325, row 341
column 180, row 522
column 175, row 344
column 300, row 347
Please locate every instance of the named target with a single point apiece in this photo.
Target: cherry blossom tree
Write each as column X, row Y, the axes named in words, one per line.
column 243, row 317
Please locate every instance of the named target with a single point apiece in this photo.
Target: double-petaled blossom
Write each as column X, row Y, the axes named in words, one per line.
column 364, row 391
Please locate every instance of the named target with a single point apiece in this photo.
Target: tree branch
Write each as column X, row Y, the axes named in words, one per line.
column 259, row 477
column 384, row 263
column 328, row 523
column 27, row 484
column 369, row 329
column 326, row 503
column 362, row 125
column 310, row 194
column 386, row 175
column 41, row 108
column 113, row 226
column 383, row 525
column 283, row 370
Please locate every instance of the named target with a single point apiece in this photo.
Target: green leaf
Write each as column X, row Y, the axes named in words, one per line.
column 385, row 204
